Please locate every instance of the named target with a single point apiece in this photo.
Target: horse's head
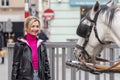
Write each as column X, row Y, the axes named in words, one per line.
column 93, row 31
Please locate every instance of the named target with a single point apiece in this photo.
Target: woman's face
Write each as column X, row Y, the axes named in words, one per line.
column 33, row 28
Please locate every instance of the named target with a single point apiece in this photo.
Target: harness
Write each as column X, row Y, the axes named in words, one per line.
column 85, row 58
column 86, row 37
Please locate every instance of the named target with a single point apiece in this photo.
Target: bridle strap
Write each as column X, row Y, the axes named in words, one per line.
column 84, row 52
column 86, row 56
column 96, row 35
column 95, row 30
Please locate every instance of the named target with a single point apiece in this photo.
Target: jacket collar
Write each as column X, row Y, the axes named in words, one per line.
column 23, row 39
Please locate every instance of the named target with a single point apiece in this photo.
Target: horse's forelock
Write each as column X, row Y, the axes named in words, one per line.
column 109, row 13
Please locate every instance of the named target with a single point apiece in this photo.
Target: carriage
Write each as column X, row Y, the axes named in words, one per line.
column 99, row 28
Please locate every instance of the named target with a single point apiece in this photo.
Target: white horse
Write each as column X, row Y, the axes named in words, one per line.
column 97, row 29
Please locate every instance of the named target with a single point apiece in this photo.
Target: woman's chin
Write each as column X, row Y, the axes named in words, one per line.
column 34, row 34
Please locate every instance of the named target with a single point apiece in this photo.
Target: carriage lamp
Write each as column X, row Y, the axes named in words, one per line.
column 82, row 11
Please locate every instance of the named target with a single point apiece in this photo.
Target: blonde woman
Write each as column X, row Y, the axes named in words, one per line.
column 30, row 60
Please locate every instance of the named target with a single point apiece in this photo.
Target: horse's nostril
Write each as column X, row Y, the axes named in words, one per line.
column 75, row 51
column 80, row 55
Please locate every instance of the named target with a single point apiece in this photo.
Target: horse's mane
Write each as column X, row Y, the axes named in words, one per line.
column 110, row 11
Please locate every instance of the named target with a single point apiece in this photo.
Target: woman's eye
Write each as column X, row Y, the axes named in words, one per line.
column 35, row 26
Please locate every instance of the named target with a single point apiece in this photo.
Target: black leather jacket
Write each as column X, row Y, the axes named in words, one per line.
column 22, row 68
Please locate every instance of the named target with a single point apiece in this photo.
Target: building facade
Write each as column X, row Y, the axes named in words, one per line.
column 63, row 26
column 12, row 16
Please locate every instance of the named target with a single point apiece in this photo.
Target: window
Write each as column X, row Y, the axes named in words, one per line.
column 5, row 2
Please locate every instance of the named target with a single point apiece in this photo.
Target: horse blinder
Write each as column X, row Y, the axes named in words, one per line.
column 83, row 30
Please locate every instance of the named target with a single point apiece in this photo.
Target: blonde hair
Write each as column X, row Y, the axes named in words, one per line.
column 29, row 21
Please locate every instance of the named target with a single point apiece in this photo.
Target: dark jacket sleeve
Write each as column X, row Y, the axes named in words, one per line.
column 47, row 66
column 16, row 61
column 1, row 42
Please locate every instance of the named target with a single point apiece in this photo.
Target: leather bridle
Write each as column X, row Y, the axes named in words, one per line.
column 93, row 24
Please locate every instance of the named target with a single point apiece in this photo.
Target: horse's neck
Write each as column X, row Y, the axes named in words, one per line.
column 115, row 28
column 115, row 37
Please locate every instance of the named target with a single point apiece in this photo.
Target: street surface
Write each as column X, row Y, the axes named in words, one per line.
column 4, row 69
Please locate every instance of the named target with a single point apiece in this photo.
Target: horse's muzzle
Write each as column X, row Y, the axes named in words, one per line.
column 77, row 53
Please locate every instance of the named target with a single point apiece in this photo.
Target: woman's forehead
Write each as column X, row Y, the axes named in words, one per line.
column 33, row 21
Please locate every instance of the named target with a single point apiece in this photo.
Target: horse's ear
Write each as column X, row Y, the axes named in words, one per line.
column 96, row 7
column 110, row 3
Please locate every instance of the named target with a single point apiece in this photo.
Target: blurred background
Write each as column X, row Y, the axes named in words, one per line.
column 59, row 21
column 59, row 18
